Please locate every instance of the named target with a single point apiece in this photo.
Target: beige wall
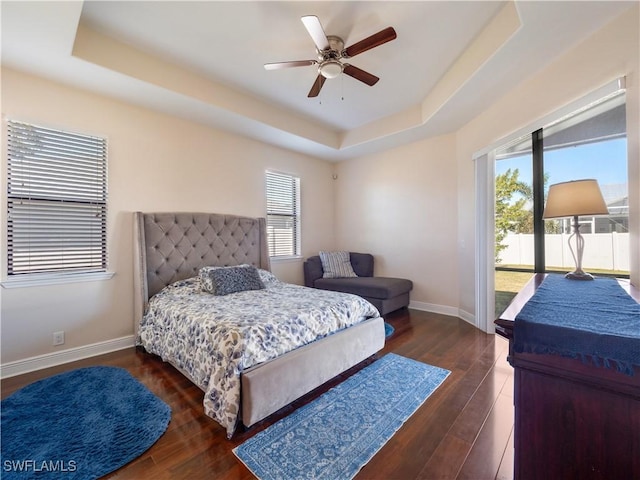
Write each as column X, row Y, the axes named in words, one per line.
column 401, row 206
column 156, row 163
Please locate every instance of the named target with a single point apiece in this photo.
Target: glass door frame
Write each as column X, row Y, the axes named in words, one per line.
column 484, row 164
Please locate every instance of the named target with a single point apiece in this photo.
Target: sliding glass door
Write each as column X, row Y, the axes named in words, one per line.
column 589, row 143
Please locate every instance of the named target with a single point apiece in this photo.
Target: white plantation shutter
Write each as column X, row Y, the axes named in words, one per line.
column 283, row 214
column 56, row 201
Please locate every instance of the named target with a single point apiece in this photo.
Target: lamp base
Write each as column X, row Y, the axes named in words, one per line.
column 578, row 276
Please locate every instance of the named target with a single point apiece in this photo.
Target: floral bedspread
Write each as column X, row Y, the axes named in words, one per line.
column 214, row 338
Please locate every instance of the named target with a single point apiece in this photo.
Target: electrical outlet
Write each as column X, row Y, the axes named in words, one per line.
column 58, row 338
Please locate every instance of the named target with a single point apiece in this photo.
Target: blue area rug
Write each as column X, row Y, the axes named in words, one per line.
column 81, row 424
column 388, row 330
column 334, row 436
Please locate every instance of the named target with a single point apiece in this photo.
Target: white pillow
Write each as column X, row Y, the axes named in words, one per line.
column 336, row 265
column 267, row 277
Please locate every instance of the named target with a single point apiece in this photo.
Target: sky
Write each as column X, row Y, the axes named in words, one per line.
column 604, row 161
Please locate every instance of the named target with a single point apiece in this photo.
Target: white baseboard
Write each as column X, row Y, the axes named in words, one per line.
column 467, row 317
column 444, row 310
column 39, row 362
column 434, row 308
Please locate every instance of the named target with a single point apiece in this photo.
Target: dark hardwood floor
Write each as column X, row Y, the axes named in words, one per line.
column 463, row 431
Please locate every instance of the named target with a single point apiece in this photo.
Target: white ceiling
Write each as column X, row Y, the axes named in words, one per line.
column 204, row 61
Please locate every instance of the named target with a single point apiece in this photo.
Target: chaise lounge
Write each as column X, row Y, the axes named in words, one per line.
column 385, row 293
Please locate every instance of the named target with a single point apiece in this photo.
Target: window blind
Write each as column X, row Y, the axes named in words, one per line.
column 283, row 214
column 56, row 201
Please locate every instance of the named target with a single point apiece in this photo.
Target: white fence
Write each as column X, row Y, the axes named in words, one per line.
column 606, row 251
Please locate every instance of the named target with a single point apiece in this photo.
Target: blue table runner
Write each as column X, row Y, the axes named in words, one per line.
column 595, row 321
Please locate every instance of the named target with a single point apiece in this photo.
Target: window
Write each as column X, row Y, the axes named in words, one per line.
column 590, row 143
column 56, row 201
column 283, row 214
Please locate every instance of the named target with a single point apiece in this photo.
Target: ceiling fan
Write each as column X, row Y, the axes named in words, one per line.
column 331, row 51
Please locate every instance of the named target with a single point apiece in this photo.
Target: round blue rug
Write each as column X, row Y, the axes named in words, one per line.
column 388, row 330
column 81, row 424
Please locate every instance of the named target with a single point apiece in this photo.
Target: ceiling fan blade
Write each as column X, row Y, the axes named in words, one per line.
column 375, row 40
column 296, row 63
column 317, row 85
column 314, row 27
column 359, row 74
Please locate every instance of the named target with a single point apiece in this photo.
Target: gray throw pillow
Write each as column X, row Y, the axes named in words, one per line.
column 336, row 265
column 226, row 280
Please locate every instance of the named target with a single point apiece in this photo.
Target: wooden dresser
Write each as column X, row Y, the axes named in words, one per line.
column 573, row 420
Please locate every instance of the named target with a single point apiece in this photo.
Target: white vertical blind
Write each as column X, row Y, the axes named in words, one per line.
column 283, row 214
column 56, row 201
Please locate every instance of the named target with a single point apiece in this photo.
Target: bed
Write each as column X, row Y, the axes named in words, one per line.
column 329, row 332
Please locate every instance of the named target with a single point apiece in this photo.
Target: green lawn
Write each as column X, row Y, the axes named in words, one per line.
column 511, row 281
column 507, row 285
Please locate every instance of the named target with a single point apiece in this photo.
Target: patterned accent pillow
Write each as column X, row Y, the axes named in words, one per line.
column 267, row 277
column 336, row 265
column 226, row 280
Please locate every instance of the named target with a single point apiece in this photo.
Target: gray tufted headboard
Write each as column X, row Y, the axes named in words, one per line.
column 174, row 246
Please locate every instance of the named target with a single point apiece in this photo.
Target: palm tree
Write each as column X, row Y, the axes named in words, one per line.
column 513, row 196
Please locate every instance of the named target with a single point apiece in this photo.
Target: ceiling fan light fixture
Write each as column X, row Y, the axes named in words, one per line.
column 330, row 68
column 330, row 50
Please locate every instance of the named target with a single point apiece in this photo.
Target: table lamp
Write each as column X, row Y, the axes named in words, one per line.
column 572, row 199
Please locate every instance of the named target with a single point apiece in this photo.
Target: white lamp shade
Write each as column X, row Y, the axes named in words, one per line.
column 575, row 198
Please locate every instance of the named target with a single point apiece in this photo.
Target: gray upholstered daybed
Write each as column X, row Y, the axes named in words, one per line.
column 386, row 293
column 170, row 250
